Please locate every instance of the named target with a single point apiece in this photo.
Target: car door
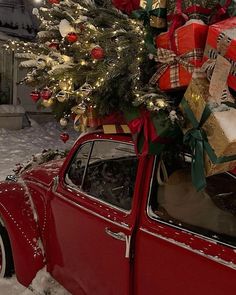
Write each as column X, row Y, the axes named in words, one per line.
column 186, row 239
column 93, row 213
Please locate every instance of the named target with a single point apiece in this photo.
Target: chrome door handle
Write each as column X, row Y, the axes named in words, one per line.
column 122, row 237
column 119, row 236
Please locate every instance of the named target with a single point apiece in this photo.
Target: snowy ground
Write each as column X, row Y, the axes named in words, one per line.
column 18, row 147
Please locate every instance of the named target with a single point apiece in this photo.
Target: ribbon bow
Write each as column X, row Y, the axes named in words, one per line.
column 81, row 122
column 139, row 124
column 153, row 15
column 169, row 58
column 223, row 43
column 196, row 138
column 149, row 10
column 81, row 118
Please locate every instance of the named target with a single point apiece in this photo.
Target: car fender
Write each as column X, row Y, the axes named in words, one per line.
column 20, row 220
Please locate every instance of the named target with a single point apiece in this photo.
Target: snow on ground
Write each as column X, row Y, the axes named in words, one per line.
column 18, row 147
column 42, row 284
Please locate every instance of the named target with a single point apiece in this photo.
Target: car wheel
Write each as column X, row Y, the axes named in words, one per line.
column 6, row 259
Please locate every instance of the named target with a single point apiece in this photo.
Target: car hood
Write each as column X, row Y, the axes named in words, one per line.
column 43, row 173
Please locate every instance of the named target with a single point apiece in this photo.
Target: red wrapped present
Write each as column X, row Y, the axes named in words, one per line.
column 114, row 123
column 175, row 68
column 221, row 40
column 93, row 118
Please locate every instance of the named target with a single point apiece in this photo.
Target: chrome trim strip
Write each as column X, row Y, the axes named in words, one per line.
column 123, row 225
column 187, row 247
column 1, row 222
column 98, row 200
column 42, row 185
column 195, row 234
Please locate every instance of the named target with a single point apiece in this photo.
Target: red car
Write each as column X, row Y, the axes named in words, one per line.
column 105, row 222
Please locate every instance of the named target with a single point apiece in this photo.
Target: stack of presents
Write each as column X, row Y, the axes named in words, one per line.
column 196, row 56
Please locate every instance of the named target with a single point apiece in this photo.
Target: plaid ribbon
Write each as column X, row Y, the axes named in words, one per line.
column 223, row 43
column 168, row 59
column 81, row 122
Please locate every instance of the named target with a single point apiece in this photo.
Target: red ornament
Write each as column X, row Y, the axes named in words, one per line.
column 97, row 53
column 35, row 95
column 54, row 45
column 64, row 137
column 54, row 1
column 46, row 93
column 72, row 37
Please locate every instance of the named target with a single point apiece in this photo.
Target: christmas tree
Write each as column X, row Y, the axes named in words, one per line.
column 87, row 57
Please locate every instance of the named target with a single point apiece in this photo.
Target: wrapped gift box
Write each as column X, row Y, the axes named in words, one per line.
column 152, row 132
column 190, row 42
column 221, row 40
column 157, row 11
column 215, row 129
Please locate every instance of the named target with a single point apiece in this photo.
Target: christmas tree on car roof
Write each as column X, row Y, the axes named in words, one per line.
column 90, row 61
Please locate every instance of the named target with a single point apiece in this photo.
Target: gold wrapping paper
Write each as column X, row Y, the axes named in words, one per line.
column 109, row 129
column 112, row 129
column 218, row 136
column 212, row 169
column 155, row 21
column 155, row 4
column 126, row 129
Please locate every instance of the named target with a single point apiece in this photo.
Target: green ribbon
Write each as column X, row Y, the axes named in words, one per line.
column 196, row 138
column 166, row 131
column 144, row 14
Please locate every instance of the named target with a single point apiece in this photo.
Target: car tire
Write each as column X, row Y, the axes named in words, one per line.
column 6, row 259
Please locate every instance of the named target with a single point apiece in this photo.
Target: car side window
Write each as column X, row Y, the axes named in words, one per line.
column 211, row 212
column 111, row 173
column 75, row 173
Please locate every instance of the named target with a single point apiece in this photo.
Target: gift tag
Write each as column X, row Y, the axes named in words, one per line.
column 219, row 78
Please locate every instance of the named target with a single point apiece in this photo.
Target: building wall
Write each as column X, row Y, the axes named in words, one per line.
column 6, row 76
column 22, row 92
column 11, row 92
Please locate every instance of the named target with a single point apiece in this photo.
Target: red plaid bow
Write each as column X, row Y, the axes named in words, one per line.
column 167, row 58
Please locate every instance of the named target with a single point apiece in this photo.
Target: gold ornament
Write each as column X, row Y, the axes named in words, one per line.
column 63, row 122
column 47, row 103
column 62, row 96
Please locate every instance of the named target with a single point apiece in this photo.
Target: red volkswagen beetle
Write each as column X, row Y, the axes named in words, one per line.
column 105, row 222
